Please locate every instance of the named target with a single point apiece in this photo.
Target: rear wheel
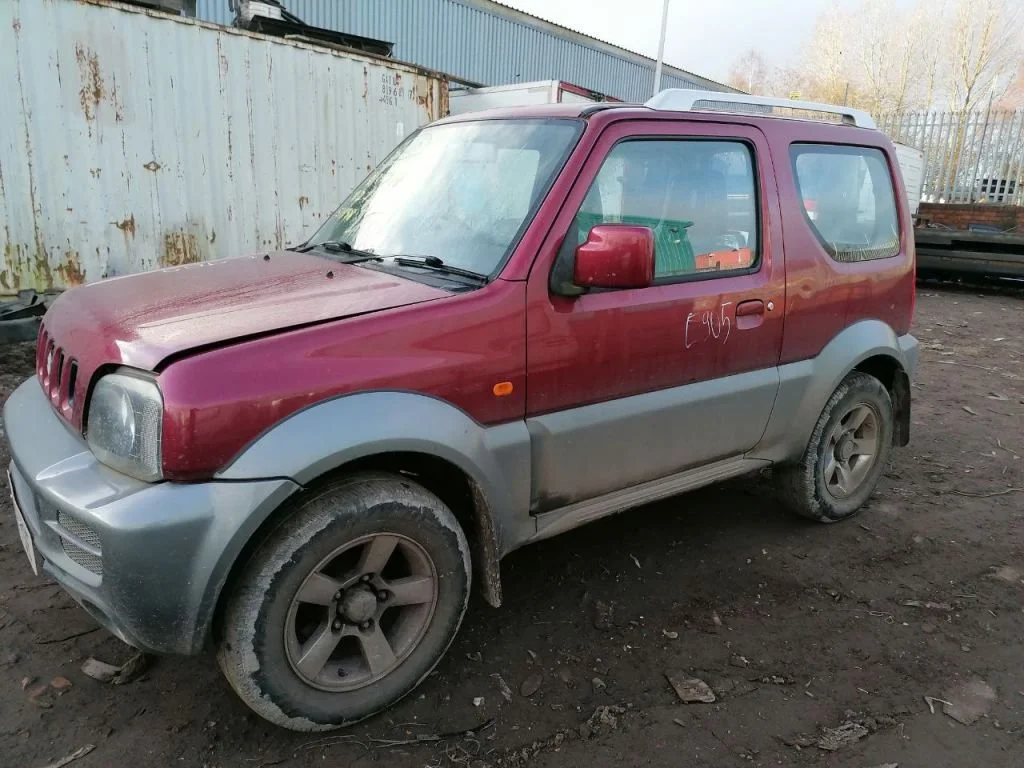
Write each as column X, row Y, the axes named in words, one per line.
column 348, row 605
column 846, row 454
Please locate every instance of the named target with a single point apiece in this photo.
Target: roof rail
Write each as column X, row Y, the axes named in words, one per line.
column 684, row 100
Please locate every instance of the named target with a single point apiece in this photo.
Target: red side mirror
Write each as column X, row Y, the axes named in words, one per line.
column 615, row 256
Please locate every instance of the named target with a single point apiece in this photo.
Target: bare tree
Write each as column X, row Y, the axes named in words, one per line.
column 1014, row 96
column 929, row 33
column 893, row 54
column 750, row 73
column 872, row 52
column 826, row 64
column 883, row 57
column 984, row 45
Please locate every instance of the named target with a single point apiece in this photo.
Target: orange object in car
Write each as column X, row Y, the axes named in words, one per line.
column 737, row 258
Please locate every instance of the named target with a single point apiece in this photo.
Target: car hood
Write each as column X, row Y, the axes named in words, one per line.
column 141, row 320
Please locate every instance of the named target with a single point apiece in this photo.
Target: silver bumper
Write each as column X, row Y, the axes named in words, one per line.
column 147, row 560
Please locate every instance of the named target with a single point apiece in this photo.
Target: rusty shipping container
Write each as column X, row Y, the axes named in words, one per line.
column 132, row 140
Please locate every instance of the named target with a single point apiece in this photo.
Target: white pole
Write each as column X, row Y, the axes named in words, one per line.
column 661, row 48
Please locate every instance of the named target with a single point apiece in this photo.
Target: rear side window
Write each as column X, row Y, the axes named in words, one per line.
column 697, row 196
column 848, row 198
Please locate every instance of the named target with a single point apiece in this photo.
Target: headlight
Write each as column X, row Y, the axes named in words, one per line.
column 125, row 425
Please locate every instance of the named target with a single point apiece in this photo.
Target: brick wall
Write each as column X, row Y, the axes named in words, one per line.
column 959, row 216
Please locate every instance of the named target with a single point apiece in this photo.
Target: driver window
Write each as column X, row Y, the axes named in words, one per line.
column 698, row 197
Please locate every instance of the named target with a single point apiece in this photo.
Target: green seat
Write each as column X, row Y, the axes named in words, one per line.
column 673, row 253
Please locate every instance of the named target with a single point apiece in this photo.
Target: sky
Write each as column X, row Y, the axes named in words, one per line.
column 704, row 36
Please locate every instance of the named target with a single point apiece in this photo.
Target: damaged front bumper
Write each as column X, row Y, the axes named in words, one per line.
column 147, row 560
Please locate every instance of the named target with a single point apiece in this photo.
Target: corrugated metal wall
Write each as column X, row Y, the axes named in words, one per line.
column 485, row 43
column 131, row 140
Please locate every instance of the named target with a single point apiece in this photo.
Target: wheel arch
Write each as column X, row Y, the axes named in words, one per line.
column 871, row 346
column 446, row 480
column 481, row 473
column 890, row 371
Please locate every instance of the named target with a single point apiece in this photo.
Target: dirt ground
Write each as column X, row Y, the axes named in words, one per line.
column 797, row 627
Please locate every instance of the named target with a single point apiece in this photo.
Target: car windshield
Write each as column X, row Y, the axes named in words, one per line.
column 460, row 192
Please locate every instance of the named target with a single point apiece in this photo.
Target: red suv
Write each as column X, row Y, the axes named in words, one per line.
column 522, row 321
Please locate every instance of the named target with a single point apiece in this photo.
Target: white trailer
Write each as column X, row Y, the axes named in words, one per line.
column 520, row 95
column 911, row 162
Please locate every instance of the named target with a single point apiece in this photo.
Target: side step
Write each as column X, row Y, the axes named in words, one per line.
column 574, row 515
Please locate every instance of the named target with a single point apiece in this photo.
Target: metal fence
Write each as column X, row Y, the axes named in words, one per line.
column 974, row 156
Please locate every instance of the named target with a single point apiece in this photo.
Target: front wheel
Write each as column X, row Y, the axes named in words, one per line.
column 846, row 453
column 347, row 605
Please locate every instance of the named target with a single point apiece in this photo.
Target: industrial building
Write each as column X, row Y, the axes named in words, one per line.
column 485, row 43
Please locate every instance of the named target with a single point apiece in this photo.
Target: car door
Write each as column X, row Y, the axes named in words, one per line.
column 628, row 386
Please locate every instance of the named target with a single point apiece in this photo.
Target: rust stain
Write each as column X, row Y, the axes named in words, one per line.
column 303, row 202
column 116, row 100
column 152, row 165
column 10, row 279
column 25, row 268
column 180, row 248
column 93, row 89
column 70, row 270
column 127, row 226
column 445, row 105
column 425, row 97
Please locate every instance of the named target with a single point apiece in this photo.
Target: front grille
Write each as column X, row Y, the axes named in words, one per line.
column 57, row 371
column 86, row 535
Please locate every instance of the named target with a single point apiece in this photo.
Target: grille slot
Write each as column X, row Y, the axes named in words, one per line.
column 59, row 373
column 85, row 534
column 57, row 370
column 87, row 560
column 72, row 380
column 51, row 351
column 44, row 340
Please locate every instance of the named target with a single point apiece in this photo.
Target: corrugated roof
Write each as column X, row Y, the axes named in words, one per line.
column 486, row 42
column 666, row 67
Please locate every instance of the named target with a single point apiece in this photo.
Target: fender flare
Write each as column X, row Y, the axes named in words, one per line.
column 332, row 433
column 806, row 386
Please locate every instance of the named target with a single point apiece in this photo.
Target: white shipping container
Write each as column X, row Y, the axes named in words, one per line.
column 518, row 95
column 132, row 139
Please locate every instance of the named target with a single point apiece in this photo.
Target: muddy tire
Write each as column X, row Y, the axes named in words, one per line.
column 846, row 455
column 347, row 605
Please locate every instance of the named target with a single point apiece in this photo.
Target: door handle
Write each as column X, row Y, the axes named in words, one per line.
column 748, row 308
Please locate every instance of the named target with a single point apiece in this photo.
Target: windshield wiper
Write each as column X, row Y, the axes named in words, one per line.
column 437, row 264
column 340, row 246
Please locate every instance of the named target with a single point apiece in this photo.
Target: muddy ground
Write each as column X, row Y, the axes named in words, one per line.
column 798, row 627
